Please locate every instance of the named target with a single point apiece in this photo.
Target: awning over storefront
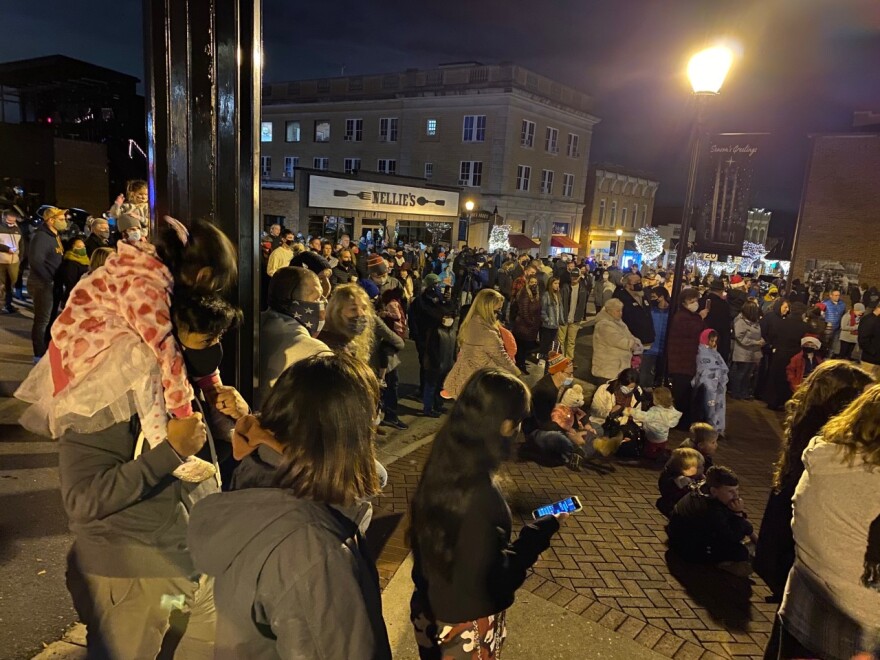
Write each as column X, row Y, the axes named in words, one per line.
column 561, row 241
column 521, row 242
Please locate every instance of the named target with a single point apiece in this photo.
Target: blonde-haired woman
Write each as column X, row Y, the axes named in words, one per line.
column 831, row 607
column 353, row 327
column 480, row 343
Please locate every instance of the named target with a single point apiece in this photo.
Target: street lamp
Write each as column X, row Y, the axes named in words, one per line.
column 468, row 206
column 619, row 233
column 706, row 71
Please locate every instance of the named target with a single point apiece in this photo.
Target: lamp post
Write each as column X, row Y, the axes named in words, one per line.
column 619, row 233
column 706, row 72
column 469, row 207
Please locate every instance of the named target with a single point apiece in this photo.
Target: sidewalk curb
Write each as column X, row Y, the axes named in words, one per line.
column 72, row 646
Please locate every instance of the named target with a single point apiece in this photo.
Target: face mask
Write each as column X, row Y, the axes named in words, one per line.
column 346, row 262
column 133, row 236
column 381, row 280
column 309, row 314
column 809, row 353
column 61, row 225
column 626, row 390
column 80, row 252
column 447, row 323
column 693, row 306
column 637, row 287
column 358, row 325
column 604, row 276
column 568, row 382
column 104, row 233
column 201, row 362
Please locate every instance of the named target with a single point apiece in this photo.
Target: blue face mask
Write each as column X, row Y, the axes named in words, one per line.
column 568, row 382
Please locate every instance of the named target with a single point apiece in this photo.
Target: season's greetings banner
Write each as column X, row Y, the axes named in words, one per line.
column 724, row 191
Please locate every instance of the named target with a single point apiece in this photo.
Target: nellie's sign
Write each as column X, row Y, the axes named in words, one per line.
column 329, row 192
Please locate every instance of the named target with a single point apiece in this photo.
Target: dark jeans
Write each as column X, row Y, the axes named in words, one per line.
column 546, row 338
column 741, row 375
column 681, row 394
column 846, row 350
column 43, row 294
column 524, row 346
column 389, row 395
column 648, row 371
column 431, row 399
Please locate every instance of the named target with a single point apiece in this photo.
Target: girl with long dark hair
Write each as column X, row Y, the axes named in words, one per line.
column 466, row 569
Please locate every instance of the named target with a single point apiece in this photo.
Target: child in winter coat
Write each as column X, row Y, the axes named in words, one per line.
column 849, row 331
column 683, row 471
column 113, row 352
column 704, row 438
column 569, row 415
column 802, row 364
column 135, row 202
column 710, row 382
column 441, row 347
column 656, row 421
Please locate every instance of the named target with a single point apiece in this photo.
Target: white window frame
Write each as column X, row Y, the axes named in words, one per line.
column 527, row 134
column 551, row 140
column 431, row 126
column 429, row 170
column 476, row 132
column 613, row 218
column 547, row 182
column 470, row 173
column 567, row 184
column 386, row 166
column 329, row 132
column 573, row 148
column 523, row 177
column 265, row 166
column 602, row 206
column 351, row 165
column 266, row 129
column 321, row 163
column 388, row 129
column 288, row 125
column 290, row 165
column 354, row 130
column 624, row 212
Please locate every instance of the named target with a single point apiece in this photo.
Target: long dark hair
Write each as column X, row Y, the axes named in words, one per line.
column 467, row 452
column 321, row 409
column 207, row 263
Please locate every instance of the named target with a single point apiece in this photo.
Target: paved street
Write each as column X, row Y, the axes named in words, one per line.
column 605, row 582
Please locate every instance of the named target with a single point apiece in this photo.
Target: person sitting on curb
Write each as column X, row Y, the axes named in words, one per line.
column 709, row 525
column 683, row 471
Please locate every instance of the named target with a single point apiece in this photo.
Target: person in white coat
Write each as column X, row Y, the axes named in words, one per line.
column 613, row 344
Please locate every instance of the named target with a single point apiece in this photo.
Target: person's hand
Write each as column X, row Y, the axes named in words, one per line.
column 561, row 517
column 736, row 505
column 230, row 402
column 187, row 435
column 120, row 199
column 704, row 313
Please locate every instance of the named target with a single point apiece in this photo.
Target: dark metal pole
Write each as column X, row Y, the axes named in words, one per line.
column 686, row 215
column 800, row 216
column 203, row 107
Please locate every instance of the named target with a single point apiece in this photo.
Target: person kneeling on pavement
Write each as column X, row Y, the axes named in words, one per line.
column 709, row 524
column 608, row 415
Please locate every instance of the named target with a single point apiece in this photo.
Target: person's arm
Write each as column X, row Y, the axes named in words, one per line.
column 791, row 374
column 97, row 481
column 153, row 325
column 386, row 336
column 38, row 253
column 305, row 615
column 545, row 309
column 611, row 336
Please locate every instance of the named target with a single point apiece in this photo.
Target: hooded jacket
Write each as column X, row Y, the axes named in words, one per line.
column 613, row 345
column 292, row 577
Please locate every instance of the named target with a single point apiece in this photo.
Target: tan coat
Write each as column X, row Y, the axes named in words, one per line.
column 481, row 347
column 613, row 345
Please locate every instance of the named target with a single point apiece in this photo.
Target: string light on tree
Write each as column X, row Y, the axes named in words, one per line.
column 437, row 230
column 752, row 254
column 498, row 238
column 649, row 243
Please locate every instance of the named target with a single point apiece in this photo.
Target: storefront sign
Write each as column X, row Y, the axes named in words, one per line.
column 329, row 192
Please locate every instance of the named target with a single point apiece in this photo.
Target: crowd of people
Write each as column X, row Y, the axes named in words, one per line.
column 249, row 517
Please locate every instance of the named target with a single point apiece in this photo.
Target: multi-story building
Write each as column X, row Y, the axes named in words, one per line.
column 516, row 143
column 757, row 226
column 617, row 200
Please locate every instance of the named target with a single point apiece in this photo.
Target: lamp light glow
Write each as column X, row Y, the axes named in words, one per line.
column 708, row 69
column 619, row 232
column 469, row 206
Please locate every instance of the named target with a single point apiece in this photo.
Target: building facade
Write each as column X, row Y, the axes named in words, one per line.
column 516, row 143
column 617, row 200
column 837, row 225
column 757, row 226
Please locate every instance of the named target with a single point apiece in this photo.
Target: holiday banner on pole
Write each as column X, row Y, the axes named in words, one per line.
column 726, row 184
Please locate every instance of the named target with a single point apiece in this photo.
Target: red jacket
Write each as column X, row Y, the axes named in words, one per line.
column 794, row 372
column 684, row 339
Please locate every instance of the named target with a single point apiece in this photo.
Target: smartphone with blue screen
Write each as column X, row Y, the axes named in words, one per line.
column 568, row 505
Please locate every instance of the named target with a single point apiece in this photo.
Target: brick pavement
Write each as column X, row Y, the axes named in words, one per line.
column 609, row 563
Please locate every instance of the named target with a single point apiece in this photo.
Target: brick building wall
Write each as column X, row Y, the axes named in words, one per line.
column 841, row 208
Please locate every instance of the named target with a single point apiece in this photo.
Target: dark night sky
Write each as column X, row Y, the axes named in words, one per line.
column 806, row 65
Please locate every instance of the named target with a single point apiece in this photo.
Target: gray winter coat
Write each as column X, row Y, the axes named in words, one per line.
column 746, row 340
column 292, row 578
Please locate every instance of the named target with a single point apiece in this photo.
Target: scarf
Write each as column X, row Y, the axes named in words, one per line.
column 80, row 259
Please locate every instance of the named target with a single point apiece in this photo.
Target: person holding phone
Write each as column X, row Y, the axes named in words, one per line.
column 466, row 569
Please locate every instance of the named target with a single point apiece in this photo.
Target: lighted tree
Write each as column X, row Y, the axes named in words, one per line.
column 437, row 230
column 498, row 238
column 649, row 243
column 752, row 254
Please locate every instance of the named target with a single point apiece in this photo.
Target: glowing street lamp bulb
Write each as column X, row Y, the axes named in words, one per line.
column 469, row 206
column 619, row 232
column 708, row 69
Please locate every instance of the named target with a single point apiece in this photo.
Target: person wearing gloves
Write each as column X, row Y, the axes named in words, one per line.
column 804, row 363
column 613, row 343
